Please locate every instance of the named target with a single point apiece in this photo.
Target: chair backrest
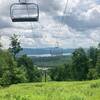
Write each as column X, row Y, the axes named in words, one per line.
column 24, row 12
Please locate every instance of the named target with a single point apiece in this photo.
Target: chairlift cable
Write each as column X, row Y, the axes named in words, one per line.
column 64, row 12
column 58, row 51
column 66, row 7
column 31, row 25
column 29, row 15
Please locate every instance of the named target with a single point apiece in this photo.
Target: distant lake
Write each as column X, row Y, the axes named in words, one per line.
column 47, row 55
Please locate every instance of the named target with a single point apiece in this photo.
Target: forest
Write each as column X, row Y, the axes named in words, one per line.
column 83, row 65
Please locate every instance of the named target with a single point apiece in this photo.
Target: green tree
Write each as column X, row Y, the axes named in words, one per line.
column 0, row 44
column 92, row 54
column 61, row 73
column 15, row 45
column 98, row 61
column 92, row 74
column 9, row 72
column 33, row 74
column 79, row 68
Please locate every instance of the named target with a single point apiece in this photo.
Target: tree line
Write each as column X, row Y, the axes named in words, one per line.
column 15, row 69
column 84, row 65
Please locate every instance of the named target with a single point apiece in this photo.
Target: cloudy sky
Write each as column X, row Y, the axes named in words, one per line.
column 79, row 26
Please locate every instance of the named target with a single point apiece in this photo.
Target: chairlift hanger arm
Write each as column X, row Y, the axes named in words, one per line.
column 21, row 1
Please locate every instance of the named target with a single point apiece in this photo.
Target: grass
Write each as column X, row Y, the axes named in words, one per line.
column 86, row 90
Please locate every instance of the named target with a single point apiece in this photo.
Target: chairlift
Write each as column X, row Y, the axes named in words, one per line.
column 56, row 51
column 24, row 12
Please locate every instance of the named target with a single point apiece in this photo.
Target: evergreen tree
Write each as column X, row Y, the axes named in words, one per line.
column 15, row 45
column 61, row 73
column 79, row 65
column 98, row 61
column 92, row 54
column 0, row 45
column 9, row 72
column 32, row 73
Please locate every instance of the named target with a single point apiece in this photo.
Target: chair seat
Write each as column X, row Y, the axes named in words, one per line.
column 30, row 19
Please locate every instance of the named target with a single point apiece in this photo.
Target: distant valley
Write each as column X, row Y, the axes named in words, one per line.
column 42, row 51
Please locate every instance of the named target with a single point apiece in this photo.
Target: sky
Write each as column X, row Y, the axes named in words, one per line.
column 77, row 26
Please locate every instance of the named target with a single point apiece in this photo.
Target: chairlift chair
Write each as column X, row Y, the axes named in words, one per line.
column 24, row 12
column 56, row 51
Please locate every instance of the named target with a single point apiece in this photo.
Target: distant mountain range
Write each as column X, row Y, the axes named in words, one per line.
column 41, row 51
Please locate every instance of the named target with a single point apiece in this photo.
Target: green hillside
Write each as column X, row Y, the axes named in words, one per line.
column 88, row 90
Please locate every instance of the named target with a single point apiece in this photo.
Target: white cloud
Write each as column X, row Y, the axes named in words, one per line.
column 5, row 41
column 92, row 14
column 80, row 28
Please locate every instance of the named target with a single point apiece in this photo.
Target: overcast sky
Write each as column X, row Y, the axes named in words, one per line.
column 78, row 27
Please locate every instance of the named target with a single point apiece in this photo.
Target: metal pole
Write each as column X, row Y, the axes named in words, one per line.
column 45, row 75
column 22, row 1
